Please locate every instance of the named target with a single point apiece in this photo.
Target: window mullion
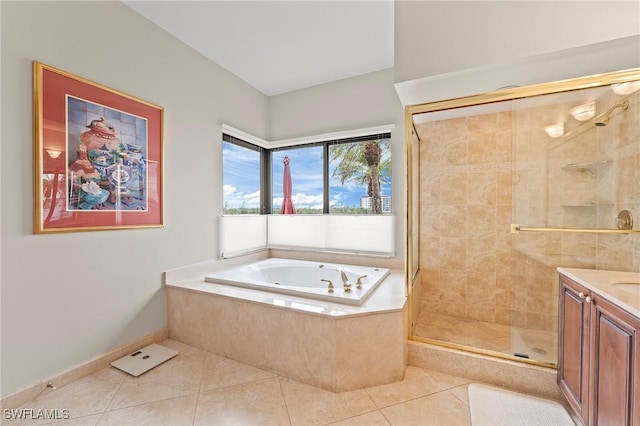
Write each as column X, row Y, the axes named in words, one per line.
column 266, row 187
column 325, row 178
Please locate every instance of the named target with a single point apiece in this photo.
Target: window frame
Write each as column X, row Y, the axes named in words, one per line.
column 253, row 147
column 266, row 180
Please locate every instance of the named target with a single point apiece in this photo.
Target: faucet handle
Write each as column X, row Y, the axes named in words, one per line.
column 330, row 287
column 359, row 282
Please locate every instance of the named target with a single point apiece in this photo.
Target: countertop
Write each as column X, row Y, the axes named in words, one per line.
column 602, row 283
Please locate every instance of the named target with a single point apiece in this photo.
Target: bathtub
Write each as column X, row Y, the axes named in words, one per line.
column 303, row 278
column 333, row 343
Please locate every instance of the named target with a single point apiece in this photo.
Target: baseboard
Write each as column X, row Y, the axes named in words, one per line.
column 21, row 397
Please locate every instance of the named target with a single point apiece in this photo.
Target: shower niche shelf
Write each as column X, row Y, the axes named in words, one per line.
column 590, row 165
column 587, row 205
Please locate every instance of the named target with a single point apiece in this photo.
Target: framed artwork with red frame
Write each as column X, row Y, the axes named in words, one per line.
column 98, row 156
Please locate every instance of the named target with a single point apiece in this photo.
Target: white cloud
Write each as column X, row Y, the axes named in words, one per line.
column 235, row 198
column 305, row 199
column 228, row 190
column 242, row 155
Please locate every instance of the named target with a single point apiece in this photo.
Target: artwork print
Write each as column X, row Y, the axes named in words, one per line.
column 98, row 156
column 106, row 158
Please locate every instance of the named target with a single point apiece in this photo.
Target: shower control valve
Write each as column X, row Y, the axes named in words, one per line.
column 624, row 220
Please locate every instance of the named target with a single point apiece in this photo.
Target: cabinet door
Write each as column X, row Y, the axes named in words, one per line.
column 573, row 345
column 615, row 352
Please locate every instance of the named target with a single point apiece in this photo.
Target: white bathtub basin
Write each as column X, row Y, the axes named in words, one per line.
column 304, row 279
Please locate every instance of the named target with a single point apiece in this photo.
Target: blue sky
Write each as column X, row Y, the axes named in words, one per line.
column 241, row 170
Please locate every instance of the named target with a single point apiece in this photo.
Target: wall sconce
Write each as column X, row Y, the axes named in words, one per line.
column 626, row 88
column 583, row 112
column 53, row 153
column 555, row 130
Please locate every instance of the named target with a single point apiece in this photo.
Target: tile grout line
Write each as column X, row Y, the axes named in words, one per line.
column 366, row 391
column 106, row 408
column 134, row 406
column 372, row 401
column 420, row 397
column 386, row 419
column 284, row 399
column 264, row 379
column 466, row 386
column 353, row 417
column 204, row 368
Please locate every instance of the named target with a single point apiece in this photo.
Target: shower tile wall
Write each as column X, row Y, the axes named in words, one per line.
column 480, row 174
column 549, row 192
column 621, row 181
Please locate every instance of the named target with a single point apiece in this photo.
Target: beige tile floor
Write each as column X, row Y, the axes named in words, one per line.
column 200, row 388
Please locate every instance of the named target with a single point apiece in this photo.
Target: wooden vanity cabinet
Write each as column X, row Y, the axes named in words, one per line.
column 573, row 345
column 598, row 357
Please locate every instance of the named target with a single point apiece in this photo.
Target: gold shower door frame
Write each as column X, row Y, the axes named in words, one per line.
column 412, row 179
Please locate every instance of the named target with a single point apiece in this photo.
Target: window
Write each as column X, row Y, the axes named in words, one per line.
column 345, row 176
column 306, row 170
column 240, row 176
column 360, row 177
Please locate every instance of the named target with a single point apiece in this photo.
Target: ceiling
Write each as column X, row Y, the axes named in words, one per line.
column 281, row 46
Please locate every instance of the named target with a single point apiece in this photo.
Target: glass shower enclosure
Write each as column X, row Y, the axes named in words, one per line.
column 504, row 188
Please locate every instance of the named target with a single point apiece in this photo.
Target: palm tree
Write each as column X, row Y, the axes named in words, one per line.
column 364, row 162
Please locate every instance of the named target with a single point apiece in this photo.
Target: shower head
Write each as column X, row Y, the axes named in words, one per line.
column 603, row 120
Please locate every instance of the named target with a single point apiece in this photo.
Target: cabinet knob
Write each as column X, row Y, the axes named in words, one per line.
column 584, row 297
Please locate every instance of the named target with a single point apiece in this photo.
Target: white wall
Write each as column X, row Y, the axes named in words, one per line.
column 69, row 297
column 593, row 59
column 359, row 102
column 367, row 100
column 439, row 37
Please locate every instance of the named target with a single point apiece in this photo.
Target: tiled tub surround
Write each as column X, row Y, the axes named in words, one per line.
column 332, row 346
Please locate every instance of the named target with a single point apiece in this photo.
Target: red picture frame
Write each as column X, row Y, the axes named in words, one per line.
column 98, row 156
